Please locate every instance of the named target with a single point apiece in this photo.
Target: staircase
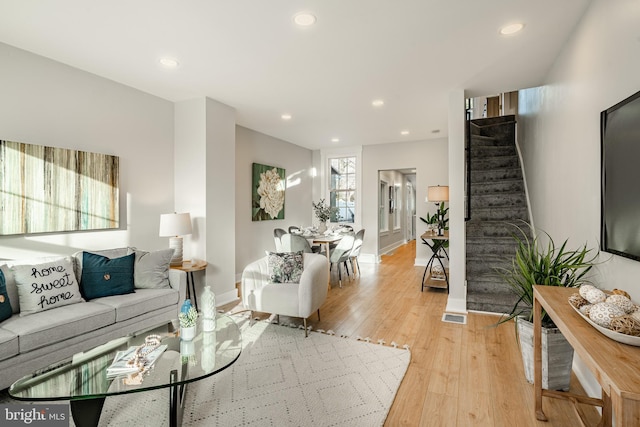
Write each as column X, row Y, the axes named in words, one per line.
column 497, row 199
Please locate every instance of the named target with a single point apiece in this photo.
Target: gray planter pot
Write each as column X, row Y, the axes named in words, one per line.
column 557, row 356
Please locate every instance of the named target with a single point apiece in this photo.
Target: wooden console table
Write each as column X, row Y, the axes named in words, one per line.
column 613, row 364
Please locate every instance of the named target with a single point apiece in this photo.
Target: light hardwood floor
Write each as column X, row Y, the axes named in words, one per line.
column 459, row 375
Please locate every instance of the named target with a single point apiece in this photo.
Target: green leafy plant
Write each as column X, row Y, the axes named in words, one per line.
column 324, row 212
column 433, row 219
column 537, row 264
column 189, row 318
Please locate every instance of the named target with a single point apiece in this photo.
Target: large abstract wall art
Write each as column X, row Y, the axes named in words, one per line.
column 48, row 189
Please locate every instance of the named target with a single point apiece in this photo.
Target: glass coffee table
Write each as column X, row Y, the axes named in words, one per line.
column 82, row 379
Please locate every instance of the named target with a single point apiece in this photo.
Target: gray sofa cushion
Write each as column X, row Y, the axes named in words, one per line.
column 140, row 302
column 151, row 270
column 47, row 327
column 8, row 344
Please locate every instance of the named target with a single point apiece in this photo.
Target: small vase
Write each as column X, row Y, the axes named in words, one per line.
column 188, row 333
column 322, row 227
column 208, row 304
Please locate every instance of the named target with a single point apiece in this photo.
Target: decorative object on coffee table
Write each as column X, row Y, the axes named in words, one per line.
column 188, row 320
column 208, row 304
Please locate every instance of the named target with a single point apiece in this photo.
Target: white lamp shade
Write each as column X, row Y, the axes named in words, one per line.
column 175, row 224
column 438, row 193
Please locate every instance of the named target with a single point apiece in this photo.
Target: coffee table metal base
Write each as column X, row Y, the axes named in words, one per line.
column 86, row 412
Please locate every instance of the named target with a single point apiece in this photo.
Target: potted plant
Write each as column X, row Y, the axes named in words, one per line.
column 437, row 221
column 324, row 213
column 535, row 263
column 188, row 320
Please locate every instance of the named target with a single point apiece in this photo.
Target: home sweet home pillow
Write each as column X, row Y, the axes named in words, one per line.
column 46, row 285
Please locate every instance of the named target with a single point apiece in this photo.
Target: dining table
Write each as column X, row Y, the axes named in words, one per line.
column 325, row 241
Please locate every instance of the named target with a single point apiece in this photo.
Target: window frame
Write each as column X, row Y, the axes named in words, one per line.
column 325, row 158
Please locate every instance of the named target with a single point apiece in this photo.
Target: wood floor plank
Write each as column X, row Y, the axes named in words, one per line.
column 459, row 375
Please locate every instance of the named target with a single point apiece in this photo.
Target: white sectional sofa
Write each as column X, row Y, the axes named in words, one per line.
column 33, row 340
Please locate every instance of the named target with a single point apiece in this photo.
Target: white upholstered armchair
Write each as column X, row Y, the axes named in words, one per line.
column 289, row 299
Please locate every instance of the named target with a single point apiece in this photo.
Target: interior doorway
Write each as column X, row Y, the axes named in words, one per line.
column 396, row 208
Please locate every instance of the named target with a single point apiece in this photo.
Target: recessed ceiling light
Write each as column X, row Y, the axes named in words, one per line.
column 335, row 139
column 404, row 132
column 169, row 62
column 286, row 116
column 511, row 29
column 377, row 102
column 304, row 19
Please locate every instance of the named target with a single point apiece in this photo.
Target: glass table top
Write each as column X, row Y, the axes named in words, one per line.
column 85, row 374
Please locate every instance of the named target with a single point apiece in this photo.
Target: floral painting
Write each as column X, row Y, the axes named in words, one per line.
column 268, row 187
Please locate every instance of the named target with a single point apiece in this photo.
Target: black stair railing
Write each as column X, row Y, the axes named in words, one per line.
column 467, row 150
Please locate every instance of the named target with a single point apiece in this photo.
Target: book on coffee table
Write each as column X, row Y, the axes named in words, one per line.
column 120, row 365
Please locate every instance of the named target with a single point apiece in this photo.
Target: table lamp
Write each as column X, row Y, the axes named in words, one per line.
column 439, row 194
column 175, row 225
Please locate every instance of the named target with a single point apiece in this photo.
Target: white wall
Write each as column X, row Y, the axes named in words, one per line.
column 254, row 237
column 559, row 132
column 48, row 103
column 429, row 158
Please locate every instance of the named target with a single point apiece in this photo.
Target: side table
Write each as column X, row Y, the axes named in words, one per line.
column 436, row 247
column 189, row 268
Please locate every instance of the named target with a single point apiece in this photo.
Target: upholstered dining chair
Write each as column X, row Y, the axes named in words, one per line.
column 294, row 243
column 277, row 236
column 340, row 255
column 289, row 299
column 355, row 251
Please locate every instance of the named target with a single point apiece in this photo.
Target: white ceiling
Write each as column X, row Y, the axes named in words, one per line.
column 250, row 55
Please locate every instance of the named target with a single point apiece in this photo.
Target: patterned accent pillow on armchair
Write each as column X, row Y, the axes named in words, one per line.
column 285, row 267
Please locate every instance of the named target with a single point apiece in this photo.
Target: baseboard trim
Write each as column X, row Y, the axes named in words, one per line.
column 227, row 297
column 456, row 305
column 392, row 247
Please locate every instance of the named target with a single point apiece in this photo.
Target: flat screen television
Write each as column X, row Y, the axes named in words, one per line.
column 620, row 196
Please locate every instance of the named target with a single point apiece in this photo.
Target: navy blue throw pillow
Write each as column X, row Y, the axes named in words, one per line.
column 103, row 277
column 5, row 305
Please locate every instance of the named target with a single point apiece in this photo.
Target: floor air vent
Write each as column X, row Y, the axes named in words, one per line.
column 454, row 318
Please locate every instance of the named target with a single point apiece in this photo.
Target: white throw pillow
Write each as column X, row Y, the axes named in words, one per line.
column 151, row 269
column 46, row 285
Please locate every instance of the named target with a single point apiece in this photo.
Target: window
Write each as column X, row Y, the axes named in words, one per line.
column 397, row 209
column 342, row 188
column 382, row 207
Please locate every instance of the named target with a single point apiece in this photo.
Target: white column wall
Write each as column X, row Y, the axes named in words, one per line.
column 204, row 159
column 457, row 300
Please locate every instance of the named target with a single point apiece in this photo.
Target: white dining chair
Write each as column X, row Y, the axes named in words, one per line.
column 340, row 255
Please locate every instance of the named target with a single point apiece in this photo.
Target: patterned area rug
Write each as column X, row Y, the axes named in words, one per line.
column 280, row 379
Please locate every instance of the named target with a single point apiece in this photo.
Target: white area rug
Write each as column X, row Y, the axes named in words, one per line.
column 281, row 379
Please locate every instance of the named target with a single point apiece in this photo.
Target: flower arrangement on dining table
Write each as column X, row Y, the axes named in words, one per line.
column 324, row 212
